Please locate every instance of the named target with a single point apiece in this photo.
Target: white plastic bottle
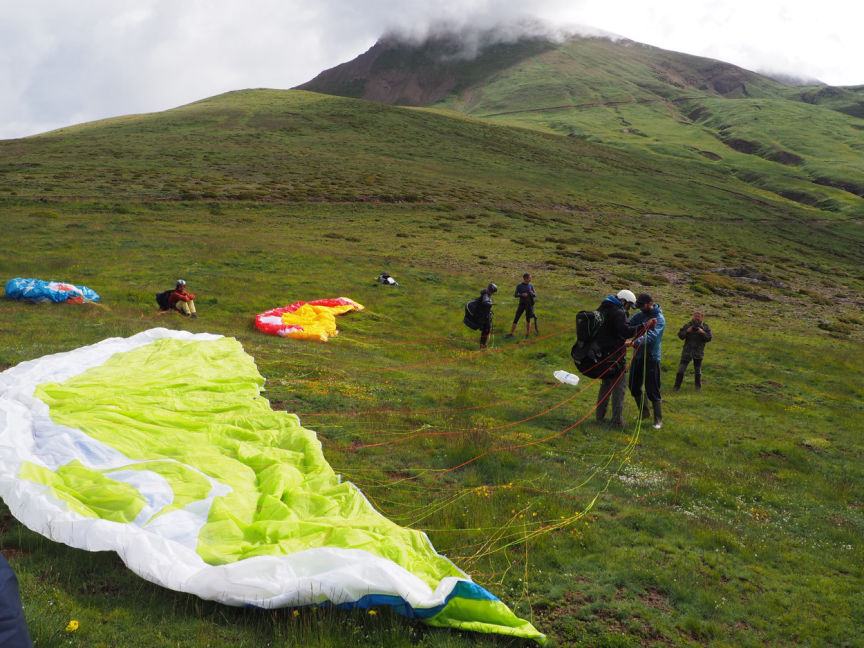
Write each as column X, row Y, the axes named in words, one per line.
column 566, row 377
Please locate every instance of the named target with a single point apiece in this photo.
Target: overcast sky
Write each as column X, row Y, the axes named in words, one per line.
column 64, row 62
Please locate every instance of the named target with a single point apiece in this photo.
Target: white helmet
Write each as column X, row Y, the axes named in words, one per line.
column 627, row 297
column 180, row 282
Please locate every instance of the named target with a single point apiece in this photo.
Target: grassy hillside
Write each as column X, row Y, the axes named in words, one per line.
column 738, row 523
column 804, row 144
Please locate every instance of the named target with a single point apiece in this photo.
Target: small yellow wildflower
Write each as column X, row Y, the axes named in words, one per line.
column 296, row 613
column 372, row 613
column 72, row 626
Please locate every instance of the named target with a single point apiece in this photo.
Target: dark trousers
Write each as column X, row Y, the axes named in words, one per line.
column 685, row 360
column 528, row 309
column 611, row 388
column 484, row 334
column 645, row 372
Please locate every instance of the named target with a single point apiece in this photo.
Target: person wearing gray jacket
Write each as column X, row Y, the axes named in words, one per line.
column 696, row 334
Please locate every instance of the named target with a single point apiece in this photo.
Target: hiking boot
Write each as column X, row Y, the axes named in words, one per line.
column 194, row 316
column 658, row 414
column 617, row 423
column 508, row 335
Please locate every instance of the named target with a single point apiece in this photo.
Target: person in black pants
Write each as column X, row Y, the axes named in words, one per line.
column 483, row 313
column 526, row 294
column 645, row 366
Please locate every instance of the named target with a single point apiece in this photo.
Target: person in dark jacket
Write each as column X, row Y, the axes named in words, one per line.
column 645, row 367
column 183, row 301
column 696, row 334
column 613, row 333
column 13, row 626
column 483, row 313
column 526, row 295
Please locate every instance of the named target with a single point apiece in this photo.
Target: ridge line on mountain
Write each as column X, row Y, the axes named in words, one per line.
column 596, row 104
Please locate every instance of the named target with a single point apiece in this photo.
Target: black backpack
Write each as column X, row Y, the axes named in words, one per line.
column 162, row 299
column 588, row 325
column 470, row 319
column 586, row 352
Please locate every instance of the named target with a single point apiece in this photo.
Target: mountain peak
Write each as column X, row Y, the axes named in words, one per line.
column 528, row 63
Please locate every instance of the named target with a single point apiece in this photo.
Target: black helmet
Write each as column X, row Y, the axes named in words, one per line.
column 491, row 288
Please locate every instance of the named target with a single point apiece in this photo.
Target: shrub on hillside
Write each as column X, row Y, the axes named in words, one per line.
column 815, row 296
column 711, row 282
column 837, row 327
column 591, row 253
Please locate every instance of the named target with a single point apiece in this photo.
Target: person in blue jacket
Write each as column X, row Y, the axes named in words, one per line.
column 645, row 366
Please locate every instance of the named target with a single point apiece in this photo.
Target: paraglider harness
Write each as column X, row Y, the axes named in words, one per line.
column 586, row 352
column 470, row 319
column 162, row 299
column 386, row 279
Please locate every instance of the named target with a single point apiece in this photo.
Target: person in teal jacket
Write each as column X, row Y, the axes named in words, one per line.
column 645, row 366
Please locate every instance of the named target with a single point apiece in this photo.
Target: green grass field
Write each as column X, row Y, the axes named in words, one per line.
column 737, row 524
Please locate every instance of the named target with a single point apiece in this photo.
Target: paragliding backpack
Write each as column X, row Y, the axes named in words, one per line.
column 585, row 351
column 162, row 299
column 470, row 319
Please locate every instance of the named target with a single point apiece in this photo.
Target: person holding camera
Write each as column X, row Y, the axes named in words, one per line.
column 696, row 334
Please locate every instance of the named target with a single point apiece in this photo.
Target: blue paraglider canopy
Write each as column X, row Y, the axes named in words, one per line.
column 36, row 290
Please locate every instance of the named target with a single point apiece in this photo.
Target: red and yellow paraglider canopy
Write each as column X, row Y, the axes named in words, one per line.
column 315, row 320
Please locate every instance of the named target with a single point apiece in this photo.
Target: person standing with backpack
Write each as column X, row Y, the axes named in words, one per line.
column 526, row 294
column 478, row 313
column 645, row 367
column 611, row 339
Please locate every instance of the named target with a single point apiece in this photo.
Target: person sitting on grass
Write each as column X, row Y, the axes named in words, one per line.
column 182, row 301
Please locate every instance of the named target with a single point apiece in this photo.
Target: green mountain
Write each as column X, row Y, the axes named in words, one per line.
column 802, row 143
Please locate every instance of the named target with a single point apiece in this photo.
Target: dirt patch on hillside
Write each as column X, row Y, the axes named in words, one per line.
column 743, row 146
column 850, row 187
column 710, row 155
column 408, row 88
column 785, row 157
